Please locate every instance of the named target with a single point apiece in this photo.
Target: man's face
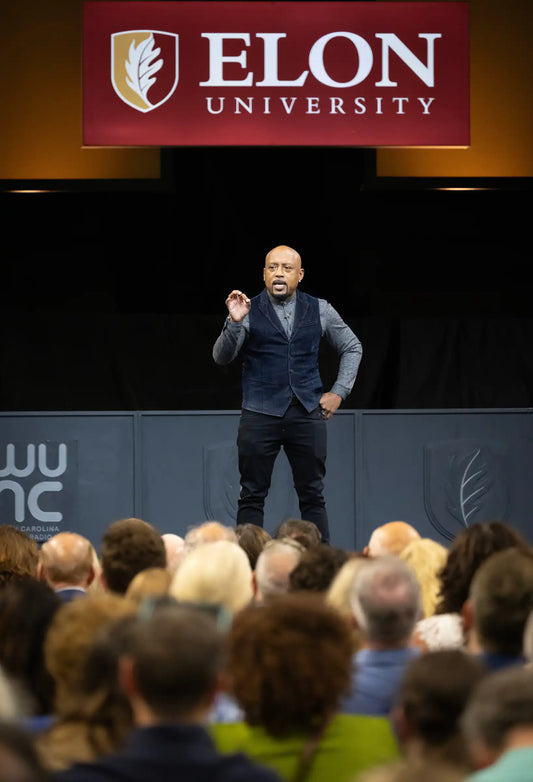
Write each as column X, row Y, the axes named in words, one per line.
column 283, row 271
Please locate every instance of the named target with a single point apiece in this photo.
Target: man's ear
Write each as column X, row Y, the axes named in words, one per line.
column 91, row 575
column 41, row 574
column 126, row 676
column 254, row 583
column 467, row 615
column 366, row 551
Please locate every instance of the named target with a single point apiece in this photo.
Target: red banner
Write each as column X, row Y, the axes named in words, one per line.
column 275, row 73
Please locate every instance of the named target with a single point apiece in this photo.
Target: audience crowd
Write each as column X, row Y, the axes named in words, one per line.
column 230, row 653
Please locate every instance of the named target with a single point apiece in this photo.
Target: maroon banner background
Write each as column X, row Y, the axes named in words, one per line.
column 317, row 73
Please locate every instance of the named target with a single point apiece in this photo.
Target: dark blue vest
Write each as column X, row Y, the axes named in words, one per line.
column 276, row 367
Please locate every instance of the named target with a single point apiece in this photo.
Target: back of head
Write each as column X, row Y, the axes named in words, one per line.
column 386, row 600
column 466, row 553
column 19, row 554
column 305, row 532
column 391, row 538
column 252, row 538
column 431, row 699
column 70, row 637
column 318, row 566
column 174, row 546
column 501, row 596
column 129, row 546
column 208, row 532
column 338, row 593
column 67, row 559
column 152, row 582
column 177, row 655
column 427, row 557
column 218, row 573
column 290, row 662
column 274, row 566
column 501, row 703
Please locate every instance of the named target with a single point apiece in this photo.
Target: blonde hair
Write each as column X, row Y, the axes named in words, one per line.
column 338, row 594
column 218, row 572
column 426, row 557
column 151, row 582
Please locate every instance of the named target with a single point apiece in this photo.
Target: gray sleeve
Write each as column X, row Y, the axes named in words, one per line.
column 345, row 343
column 230, row 341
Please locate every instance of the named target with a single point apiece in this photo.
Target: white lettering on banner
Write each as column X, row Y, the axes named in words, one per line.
column 317, row 66
column 20, row 489
column 397, row 105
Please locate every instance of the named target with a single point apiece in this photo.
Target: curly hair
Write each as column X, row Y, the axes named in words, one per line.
column 290, row 663
column 318, row 566
column 129, row 546
column 467, row 552
column 19, row 554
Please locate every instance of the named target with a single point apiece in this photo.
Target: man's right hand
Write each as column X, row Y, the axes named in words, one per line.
column 238, row 305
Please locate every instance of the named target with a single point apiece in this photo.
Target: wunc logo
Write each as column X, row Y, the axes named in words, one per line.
column 37, row 486
column 144, row 67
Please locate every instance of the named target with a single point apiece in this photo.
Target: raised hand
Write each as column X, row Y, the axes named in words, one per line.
column 238, row 305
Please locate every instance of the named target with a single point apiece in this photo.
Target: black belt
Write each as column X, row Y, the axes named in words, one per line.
column 294, row 401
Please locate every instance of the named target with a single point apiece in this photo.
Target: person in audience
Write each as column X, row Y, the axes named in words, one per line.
column 471, row 547
column 19, row 554
column 27, row 607
column 499, row 604
column 81, row 729
column 66, row 564
column 151, row 582
column 386, row 604
column 208, row 532
column 290, row 663
column 274, row 566
column 429, row 704
column 318, row 566
column 412, row 771
column 338, row 593
column 170, row 670
column 390, row 539
column 252, row 538
column 498, row 727
column 174, row 545
column 218, row 573
column 305, row 532
column 19, row 760
column 129, row 546
column 427, row 557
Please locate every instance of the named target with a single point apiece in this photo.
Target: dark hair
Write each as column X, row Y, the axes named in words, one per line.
column 19, row 759
column 433, row 693
column 469, row 549
column 129, row 546
column 305, row 532
column 318, row 566
column 27, row 607
column 290, row 662
column 252, row 538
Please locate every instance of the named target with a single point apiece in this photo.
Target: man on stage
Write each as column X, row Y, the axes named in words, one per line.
column 277, row 335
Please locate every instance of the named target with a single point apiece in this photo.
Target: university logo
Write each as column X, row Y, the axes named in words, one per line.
column 465, row 481
column 144, row 67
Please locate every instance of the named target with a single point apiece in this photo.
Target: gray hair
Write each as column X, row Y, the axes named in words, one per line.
column 386, row 600
column 275, row 564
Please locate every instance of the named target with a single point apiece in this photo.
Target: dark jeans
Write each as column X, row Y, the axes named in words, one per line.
column 304, row 438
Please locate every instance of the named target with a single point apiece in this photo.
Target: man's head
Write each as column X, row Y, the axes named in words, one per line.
column 66, row 560
column 274, row 566
column 129, row 546
column 386, row 601
column 499, row 714
column 208, row 532
column 283, row 271
column 172, row 664
column 174, row 545
column 390, row 538
column 500, row 601
column 305, row 532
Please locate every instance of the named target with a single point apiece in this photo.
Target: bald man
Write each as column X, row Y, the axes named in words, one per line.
column 66, row 564
column 277, row 336
column 391, row 538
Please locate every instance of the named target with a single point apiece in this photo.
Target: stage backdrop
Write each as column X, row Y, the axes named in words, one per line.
column 440, row 470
